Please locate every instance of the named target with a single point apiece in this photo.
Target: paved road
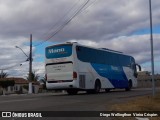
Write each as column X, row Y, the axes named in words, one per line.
column 64, row 102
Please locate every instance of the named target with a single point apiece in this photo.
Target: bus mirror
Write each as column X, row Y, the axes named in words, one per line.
column 139, row 67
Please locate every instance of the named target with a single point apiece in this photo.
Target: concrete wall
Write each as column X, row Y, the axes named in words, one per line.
column 145, row 79
column 147, row 83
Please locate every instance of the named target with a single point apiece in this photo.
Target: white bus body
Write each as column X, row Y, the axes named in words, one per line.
column 74, row 67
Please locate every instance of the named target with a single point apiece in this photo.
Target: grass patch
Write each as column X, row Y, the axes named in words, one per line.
column 145, row 103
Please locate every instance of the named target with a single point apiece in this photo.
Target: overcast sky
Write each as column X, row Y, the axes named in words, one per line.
column 121, row 25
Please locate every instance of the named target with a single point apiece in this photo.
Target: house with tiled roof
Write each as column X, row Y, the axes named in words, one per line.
column 20, row 86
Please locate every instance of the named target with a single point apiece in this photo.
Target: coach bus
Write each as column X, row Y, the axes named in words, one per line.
column 74, row 67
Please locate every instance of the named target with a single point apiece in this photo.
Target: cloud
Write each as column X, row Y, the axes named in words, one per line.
column 110, row 24
column 102, row 20
column 23, row 69
column 9, row 53
column 108, row 20
column 137, row 46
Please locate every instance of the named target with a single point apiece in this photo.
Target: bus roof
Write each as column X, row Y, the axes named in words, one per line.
column 102, row 49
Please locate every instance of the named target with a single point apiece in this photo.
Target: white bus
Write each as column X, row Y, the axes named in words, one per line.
column 74, row 67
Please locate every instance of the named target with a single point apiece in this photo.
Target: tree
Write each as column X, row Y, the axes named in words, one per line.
column 5, row 83
column 3, row 74
column 44, row 82
column 34, row 77
column 43, row 79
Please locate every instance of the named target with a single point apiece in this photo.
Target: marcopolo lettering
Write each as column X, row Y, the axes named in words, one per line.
column 56, row 50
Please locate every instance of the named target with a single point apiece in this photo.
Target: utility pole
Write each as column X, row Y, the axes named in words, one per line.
column 30, row 66
column 152, row 55
column 1, row 73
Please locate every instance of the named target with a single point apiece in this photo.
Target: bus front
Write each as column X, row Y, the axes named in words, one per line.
column 60, row 73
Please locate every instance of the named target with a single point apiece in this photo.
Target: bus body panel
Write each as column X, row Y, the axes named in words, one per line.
column 60, row 67
column 72, row 59
column 91, row 75
column 59, row 71
column 62, row 86
column 129, row 74
column 115, row 74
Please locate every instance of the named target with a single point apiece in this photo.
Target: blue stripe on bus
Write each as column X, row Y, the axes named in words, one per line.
column 115, row 74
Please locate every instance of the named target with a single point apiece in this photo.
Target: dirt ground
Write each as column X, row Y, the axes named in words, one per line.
column 145, row 103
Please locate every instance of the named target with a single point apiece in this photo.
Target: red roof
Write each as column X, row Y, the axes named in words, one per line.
column 17, row 80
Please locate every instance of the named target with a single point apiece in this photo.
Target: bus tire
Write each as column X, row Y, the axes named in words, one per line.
column 90, row 91
column 72, row 92
column 107, row 90
column 97, row 86
column 129, row 85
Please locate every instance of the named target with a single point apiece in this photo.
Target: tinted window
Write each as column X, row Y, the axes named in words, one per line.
column 102, row 57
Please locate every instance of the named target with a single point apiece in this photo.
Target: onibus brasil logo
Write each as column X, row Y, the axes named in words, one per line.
column 21, row 114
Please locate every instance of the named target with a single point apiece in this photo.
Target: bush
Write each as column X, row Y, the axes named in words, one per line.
column 25, row 87
column 6, row 83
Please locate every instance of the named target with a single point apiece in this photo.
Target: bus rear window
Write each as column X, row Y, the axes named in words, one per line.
column 58, row 51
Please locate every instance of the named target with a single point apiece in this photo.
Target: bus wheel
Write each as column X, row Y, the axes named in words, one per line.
column 90, row 91
column 97, row 86
column 129, row 86
column 107, row 90
column 72, row 92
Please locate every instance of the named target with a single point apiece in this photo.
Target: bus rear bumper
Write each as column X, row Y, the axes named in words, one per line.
column 61, row 86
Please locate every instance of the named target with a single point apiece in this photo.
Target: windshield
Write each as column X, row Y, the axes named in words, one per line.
column 58, row 51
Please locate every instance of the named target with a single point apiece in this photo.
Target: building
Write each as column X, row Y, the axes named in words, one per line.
column 145, row 79
column 20, row 87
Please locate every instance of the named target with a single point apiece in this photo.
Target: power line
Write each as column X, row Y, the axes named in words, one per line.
column 7, row 68
column 63, row 18
column 89, row 6
column 67, row 22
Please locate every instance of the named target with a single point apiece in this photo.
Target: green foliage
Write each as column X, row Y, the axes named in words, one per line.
column 3, row 74
column 6, row 83
column 44, row 86
column 34, row 77
column 25, row 87
column 43, row 80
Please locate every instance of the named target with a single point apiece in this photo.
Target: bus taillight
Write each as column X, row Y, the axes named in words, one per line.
column 74, row 75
